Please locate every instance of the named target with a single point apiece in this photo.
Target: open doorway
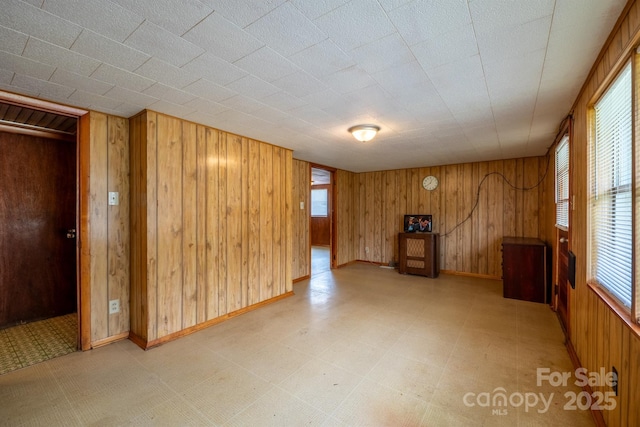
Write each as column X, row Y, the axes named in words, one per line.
column 322, row 221
column 38, row 229
column 562, row 288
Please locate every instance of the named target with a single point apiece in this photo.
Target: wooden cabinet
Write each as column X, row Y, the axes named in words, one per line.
column 419, row 254
column 524, row 269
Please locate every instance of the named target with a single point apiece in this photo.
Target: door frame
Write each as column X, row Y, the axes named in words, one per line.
column 566, row 128
column 333, row 233
column 83, row 264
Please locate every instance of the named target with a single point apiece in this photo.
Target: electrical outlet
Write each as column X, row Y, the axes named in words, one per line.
column 366, row 249
column 114, row 306
column 114, row 198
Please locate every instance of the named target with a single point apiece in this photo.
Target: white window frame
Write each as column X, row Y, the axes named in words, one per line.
column 562, row 183
column 611, row 208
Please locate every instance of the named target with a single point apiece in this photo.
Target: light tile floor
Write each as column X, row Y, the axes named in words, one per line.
column 320, row 261
column 357, row 346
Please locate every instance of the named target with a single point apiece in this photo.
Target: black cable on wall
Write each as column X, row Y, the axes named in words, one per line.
column 504, row 178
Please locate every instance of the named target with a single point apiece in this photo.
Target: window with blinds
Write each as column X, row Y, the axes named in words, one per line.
column 562, row 183
column 610, row 213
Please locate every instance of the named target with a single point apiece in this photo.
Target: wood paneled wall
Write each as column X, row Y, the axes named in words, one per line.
column 346, row 216
column 471, row 246
column 108, row 225
column 600, row 338
column 210, row 228
column 301, row 188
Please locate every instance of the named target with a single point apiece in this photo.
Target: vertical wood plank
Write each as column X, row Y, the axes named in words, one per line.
column 304, row 217
column 401, row 208
column 288, row 212
column 245, row 222
column 450, row 217
column 201, row 224
column 509, row 201
column 624, row 387
column 614, row 338
column 495, row 202
column 99, row 227
column 213, row 223
column 377, row 224
column 483, row 219
column 633, row 382
column 414, row 188
column 346, row 207
column 190, row 224
column 266, row 222
column 361, row 219
column 152, row 226
column 169, row 225
column 390, row 216
column 424, row 197
column 278, row 226
column 519, row 183
column 223, row 218
column 254, row 222
column 466, row 205
column 136, row 264
column 234, row 219
column 118, row 223
column 531, row 212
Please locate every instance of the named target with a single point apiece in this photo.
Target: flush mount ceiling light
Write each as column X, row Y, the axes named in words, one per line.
column 364, row 133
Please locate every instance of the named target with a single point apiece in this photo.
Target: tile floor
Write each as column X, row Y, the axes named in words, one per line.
column 357, row 346
column 35, row 342
column 320, row 261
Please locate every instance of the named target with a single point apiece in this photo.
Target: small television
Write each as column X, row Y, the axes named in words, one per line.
column 417, row 224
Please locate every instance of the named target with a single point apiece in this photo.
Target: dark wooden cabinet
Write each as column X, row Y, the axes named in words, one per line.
column 524, row 269
column 419, row 254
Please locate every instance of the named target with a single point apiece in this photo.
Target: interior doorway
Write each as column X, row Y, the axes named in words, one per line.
column 322, row 221
column 39, row 228
column 562, row 289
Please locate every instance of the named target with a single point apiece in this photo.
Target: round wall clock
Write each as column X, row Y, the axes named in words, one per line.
column 430, row 182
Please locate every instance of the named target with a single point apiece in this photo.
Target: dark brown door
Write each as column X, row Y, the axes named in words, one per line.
column 321, row 225
column 562, row 291
column 37, row 210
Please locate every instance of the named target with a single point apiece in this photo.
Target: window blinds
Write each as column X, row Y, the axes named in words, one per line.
column 611, row 201
column 562, row 183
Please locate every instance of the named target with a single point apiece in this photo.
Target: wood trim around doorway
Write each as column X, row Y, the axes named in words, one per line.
column 83, row 260
column 334, row 212
column 84, row 248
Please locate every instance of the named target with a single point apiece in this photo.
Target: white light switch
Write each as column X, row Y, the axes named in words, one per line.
column 114, row 198
column 301, row 206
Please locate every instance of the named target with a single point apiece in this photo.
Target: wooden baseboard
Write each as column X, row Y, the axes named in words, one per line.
column 346, row 264
column 476, row 275
column 300, row 279
column 107, row 341
column 146, row 345
column 575, row 360
column 364, row 261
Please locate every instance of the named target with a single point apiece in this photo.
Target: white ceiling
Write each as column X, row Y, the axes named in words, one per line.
column 448, row 81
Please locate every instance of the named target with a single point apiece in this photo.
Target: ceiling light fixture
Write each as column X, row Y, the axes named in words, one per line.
column 364, row 133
